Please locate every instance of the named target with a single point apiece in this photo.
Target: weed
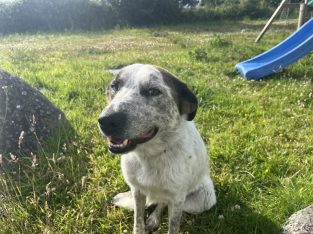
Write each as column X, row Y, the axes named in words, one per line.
column 199, row 54
column 218, row 42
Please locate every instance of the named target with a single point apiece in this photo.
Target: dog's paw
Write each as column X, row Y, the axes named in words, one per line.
column 124, row 200
column 152, row 223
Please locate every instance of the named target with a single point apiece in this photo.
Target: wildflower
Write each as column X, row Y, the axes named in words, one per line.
column 18, row 107
column 53, row 158
column 34, row 120
column 34, row 160
column 60, row 159
column 14, row 158
column 64, row 147
column 60, row 176
column 48, row 189
column 235, row 207
column 20, row 139
column 46, row 205
column 221, row 217
column 83, row 181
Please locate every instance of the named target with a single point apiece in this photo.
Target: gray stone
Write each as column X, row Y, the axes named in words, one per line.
column 300, row 222
column 27, row 118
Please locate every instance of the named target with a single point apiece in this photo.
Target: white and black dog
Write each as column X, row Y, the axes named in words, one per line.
column 164, row 160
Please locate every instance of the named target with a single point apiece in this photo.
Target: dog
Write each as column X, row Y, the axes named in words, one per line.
column 164, row 161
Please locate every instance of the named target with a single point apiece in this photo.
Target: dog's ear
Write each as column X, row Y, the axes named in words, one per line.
column 186, row 101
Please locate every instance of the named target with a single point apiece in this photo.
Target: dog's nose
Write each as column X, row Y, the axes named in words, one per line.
column 113, row 124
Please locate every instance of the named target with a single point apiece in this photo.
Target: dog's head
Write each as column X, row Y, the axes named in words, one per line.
column 144, row 102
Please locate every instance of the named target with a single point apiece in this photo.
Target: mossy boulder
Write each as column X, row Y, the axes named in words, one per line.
column 300, row 222
column 27, row 117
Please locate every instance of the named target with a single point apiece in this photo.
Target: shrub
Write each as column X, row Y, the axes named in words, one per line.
column 54, row 15
column 218, row 42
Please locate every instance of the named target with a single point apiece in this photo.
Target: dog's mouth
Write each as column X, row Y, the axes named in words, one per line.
column 121, row 146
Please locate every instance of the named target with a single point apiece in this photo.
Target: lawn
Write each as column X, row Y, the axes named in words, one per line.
column 259, row 134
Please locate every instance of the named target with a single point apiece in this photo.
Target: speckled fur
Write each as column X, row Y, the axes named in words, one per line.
column 172, row 168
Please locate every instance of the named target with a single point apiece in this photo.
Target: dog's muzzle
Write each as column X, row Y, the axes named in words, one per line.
column 113, row 127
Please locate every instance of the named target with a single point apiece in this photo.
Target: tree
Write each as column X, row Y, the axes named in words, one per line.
column 146, row 12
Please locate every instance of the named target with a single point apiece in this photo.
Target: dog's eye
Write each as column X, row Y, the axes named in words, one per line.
column 115, row 86
column 153, row 92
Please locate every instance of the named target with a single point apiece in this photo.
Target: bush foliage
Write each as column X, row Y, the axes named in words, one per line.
column 54, row 15
column 61, row 15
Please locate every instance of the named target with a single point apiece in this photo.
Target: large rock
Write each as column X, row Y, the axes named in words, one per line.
column 27, row 118
column 300, row 222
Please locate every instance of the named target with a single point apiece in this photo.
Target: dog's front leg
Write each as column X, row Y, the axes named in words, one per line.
column 139, row 212
column 175, row 211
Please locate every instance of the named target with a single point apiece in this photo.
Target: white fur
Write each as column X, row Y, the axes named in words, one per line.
column 171, row 175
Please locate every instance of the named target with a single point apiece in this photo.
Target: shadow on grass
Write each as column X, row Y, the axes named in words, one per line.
column 228, row 216
column 30, row 182
column 287, row 73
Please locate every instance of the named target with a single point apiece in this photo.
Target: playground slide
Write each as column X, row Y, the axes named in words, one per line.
column 274, row 60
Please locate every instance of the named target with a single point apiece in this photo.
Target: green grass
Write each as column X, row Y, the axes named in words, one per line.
column 259, row 134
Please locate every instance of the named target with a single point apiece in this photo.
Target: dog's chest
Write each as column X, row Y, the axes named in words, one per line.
column 156, row 184
column 161, row 178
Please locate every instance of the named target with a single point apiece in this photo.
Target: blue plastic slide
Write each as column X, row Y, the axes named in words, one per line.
column 274, row 60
